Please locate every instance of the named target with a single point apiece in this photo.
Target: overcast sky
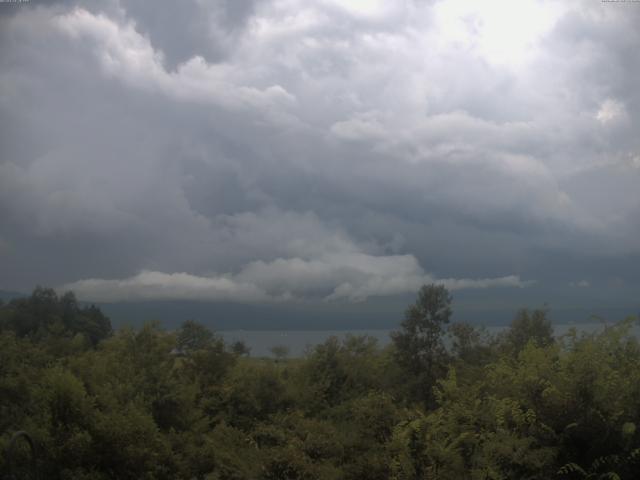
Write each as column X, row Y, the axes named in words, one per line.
column 287, row 150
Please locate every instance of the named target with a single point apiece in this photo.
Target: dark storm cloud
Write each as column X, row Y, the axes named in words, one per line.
column 185, row 29
column 285, row 150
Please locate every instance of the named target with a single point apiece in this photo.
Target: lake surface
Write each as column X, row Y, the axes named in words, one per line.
column 298, row 341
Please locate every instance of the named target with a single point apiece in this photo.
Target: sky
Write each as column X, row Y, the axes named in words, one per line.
column 292, row 151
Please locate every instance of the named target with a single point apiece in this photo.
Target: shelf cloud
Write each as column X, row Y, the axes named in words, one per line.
column 280, row 151
column 315, row 279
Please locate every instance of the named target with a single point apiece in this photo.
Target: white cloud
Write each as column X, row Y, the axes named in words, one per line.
column 130, row 57
column 399, row 284
column 335, row 277
column 363, row 126
column 503, row 32
column 610, row 111
column 149, row 285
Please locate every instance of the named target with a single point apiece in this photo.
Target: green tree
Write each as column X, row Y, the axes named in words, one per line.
column 94, row 324
column 281, row 352
column 471, row 347
column 46, row 315
column 419, row 346
column 240, row 348
column 529, row 327
column 193, row 336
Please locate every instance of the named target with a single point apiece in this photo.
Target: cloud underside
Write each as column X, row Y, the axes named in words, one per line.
column 317, row 149
column 282, row 281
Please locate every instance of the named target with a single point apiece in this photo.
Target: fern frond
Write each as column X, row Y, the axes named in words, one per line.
column 572, row 468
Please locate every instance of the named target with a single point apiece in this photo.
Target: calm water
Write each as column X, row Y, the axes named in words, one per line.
column 298, row 341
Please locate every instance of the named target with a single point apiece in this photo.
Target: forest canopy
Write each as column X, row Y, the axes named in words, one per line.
column 443, row 400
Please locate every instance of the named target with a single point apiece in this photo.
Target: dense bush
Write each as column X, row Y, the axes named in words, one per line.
column 152, row 404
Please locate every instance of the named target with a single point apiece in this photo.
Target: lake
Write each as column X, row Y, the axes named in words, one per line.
column 297, row 341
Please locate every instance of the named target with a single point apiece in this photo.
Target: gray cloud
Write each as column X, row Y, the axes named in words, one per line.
column 282, row 141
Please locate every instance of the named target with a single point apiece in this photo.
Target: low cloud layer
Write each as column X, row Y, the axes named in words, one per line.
column 353, row 284
column 318, row 149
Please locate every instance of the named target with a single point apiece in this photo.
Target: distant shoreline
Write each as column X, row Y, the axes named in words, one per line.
column 297, row 341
